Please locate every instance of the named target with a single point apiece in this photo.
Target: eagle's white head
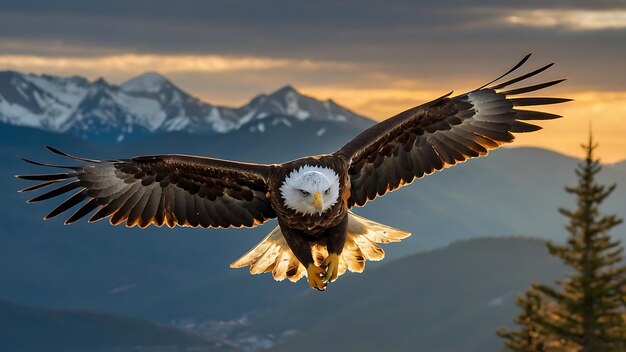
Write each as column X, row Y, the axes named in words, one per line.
column 310, row 189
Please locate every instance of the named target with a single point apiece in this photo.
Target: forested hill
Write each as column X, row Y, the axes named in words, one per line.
column 27, row 329
column 447, row 300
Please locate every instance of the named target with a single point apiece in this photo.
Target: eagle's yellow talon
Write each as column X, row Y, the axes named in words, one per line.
column 331, row 264
column 315, row 274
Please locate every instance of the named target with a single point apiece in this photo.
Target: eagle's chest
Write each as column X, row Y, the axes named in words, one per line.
column 315, row 225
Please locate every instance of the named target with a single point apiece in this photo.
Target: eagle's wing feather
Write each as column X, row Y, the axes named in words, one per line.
column 439, row 134
column 160, row 189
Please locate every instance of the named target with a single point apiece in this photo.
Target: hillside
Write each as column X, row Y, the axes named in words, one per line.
column 447, row 300
column 27, row 329
column 621, row 165
column 164, row 274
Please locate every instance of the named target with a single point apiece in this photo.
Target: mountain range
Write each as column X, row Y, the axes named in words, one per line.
column 148, row 104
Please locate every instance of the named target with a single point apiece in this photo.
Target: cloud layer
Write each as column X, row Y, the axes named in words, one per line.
column 131, row 63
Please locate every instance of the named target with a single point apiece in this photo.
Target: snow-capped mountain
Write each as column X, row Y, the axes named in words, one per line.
column 148, row 104
column 287, row 106
column 44, row 102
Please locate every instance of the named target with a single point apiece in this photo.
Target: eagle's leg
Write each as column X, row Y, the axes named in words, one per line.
column 301, row 248
column 336, row 239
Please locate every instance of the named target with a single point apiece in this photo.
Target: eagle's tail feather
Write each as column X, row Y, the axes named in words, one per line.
column 273, row 254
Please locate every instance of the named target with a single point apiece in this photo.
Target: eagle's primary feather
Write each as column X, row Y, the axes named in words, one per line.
column 316, row 235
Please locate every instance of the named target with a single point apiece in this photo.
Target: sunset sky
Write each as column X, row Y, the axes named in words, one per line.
column 374, row 57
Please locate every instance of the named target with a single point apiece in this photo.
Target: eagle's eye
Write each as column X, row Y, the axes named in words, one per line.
column 304, row 193
column 327, row 192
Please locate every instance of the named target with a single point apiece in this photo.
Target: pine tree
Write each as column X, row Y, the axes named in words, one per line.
column 590, row 301
column 585, row 312
column 529, row 338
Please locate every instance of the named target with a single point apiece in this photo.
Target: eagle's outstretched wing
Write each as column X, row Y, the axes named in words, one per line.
column 439, row 134
column 160, row 189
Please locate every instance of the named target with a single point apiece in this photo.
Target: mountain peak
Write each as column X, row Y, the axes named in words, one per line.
column 101, row 82
column 285, row 90
column 150, row 82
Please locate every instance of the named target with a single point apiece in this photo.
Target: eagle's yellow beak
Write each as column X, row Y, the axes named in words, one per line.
column 318, row 202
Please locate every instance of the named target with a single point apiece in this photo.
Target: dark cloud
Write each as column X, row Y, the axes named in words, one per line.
column 245, row 26
column 431, row 40
column 277, row 10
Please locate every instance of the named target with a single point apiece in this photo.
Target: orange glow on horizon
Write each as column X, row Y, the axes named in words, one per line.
column 605, row 112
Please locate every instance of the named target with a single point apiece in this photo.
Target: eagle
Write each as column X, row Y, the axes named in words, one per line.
column 318, row 236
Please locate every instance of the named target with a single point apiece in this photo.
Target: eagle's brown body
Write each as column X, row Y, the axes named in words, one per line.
column 299, row 230
column 211, row 193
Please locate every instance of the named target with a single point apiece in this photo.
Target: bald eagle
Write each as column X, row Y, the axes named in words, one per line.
column 317, row 235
